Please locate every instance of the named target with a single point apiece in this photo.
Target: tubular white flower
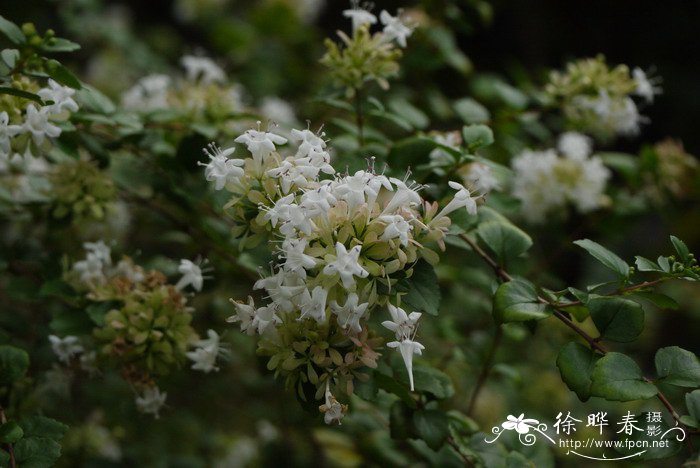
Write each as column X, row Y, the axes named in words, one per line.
column 462, row 199
column 394, row 28
column 65, row 348
column 481, row 178
column 295, row 259
column 203, row 69
column 402, row 324
column 151, row 401
column 396, row 226
column 6, row 132
column 62, row 97
column 191, row 275
column 346, row 265
column 148, row 94
column 350, row 313
column 313, row 304
column 645, row 88
column 309, row 142
column 408, row 348
column 260, row 144
column 205, row 353
column 37, row 123
column 244, row 314
column 359, row 17
column 220, row 169
column 264, row 317
column 575, row 145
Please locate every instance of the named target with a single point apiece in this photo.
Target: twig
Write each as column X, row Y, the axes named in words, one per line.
column 593, row 342
column 485, row 369
column 467, row 461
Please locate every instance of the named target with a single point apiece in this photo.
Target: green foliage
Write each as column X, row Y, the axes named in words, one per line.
column 517, row 301
column 422, row 290
column 617, row 377
column 606, row 257
column 505, row 240
column 676, row 366
column 576, row 363
column 14, row 363
column 616, row 318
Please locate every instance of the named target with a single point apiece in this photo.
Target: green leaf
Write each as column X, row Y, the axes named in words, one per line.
column 606, row 257
column 505, row 240
column 41, row 426
column 644, row 264
column 470, row 111
column 97, row 311
column 422, row 289
column 430, row 380
column 576, row 363
column 432, row 426
column 9, row 57
column 20, row 93
column 616, row 318
column 61, row 74
column 516, row 301
column 681, row 249
column 408, row 111
column 692, row 402
column 662, row 301
column 616, row 377
column 400, row 421
column 10, row 432
column 676, row 366
column 60, row 45
column 37, row 452
column 12, row 31
column 411, row 151
column 14, row 363
column 477, row 136
column 391, row 385
column 92, row 100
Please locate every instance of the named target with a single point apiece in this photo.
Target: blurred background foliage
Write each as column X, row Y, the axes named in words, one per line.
column 241, row 415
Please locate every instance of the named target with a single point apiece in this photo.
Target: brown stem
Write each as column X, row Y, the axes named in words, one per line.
column 10, row 448
column 634, row 287
column 485, row 370
column 561, row 315
column 467, row 461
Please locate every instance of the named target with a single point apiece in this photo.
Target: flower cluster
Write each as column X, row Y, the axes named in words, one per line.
column 546, row 181
column 141, row 323
column 27, row 129
column 598, row 100
column 344, row 242
column 366, row 57
column 203, row 93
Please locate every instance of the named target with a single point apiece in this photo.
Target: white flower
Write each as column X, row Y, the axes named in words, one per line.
column 7, row 131
column 129, row 270
column 62, row 97
column 297, row 172
column 282, row 288
column 37, row 123
column 101, row 251
column 575, row 145
column 332, row 410
column 151, row 401
column 620, row 116
column 462, row 199
column 405, row 196
column 297, row 220
column 317, row 202
column 220, row 169
column 277, row 110
column 314, row 304
column 408, row 348
column 191, row 275
column 65, row 348
column 645, row 87
column 205, row 353
column 260, row 144
column 202, row 68
column 295, row 259
column 244, row 314
column 279, row 211
column 309, row 142
column 149, row 93
column 264, row 317
column 359, row 17
column 449, row 139
column 403, row 325
column 350, row 313
column 481, row 178
column 346, row 264
column 394, row 28
column 396, row 226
